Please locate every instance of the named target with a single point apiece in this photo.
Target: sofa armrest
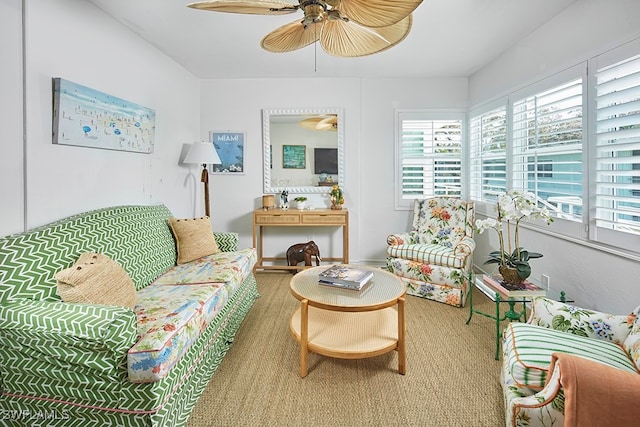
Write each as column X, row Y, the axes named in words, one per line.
column 580, row 321
column 227, row 241
column 94, row 337
column 591, row 393
column 465, row 247
column 547, row 405
column 401, row 239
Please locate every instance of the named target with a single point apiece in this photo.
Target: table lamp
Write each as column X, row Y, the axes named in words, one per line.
column 203, row 153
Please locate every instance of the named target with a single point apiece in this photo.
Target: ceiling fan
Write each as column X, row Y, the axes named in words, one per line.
column 325, row 122
column 345, row 28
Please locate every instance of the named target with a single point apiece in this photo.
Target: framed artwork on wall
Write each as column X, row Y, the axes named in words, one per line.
column 294, row 156
column 230, row 146
column 85, row 117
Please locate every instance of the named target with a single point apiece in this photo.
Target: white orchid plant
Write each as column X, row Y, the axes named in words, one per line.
column 513, row 207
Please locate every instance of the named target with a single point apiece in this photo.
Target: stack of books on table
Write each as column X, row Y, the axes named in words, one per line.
column 509, row 290
column 345, row 276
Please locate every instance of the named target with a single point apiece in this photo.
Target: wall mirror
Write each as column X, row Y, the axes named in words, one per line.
column 303, row 149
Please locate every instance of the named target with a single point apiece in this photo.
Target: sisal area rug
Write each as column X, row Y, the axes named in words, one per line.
column 452, row 378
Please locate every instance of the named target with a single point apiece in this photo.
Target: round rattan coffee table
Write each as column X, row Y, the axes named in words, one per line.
column 349, row 324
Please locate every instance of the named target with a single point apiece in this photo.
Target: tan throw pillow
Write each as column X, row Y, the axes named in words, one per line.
column 194, row 238
column 96, row 279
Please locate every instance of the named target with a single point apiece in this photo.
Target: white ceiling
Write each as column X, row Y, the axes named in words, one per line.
column 449, row 38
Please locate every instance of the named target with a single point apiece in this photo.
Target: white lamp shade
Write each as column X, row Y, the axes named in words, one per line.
column 202, row 153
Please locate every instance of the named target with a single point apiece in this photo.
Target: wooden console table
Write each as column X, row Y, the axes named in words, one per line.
column 298, row 218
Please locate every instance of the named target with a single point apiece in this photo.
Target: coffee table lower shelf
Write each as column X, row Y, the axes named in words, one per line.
column 347, row 335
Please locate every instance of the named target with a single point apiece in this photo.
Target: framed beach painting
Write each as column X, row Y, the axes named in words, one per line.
column 294, row 156
column 230, row 146
column 85, row 117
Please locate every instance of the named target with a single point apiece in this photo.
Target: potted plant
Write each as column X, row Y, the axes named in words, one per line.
column 513, row 207
column 301, row 202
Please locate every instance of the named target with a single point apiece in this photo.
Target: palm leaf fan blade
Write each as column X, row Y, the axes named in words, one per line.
column 252, row 7
column 330, row 123
column 310, row 123
column 377, row 13
column 290, row 37
column 348, row 39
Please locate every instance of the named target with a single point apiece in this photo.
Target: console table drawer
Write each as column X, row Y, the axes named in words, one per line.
column 262, row 219
column 323, row 219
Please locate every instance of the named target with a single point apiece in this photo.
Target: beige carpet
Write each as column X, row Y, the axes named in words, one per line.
column 452, row 378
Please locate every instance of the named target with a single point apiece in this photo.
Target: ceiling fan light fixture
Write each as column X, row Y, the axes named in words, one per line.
column 345, row 28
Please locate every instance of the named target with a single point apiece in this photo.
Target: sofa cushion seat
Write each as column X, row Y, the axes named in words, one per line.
column 428, row 253
column 177, row 307
column 222, row 267
column 528, row 350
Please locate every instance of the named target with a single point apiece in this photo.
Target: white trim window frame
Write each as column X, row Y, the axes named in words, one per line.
column 615, row 130
column 429, row 155
column 488, row 130
column 549, row 146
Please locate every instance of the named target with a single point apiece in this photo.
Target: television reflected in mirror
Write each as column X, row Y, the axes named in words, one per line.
column 325, row 161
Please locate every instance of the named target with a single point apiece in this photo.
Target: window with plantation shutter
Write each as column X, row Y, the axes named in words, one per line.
column 617, row 154
column 430, row 157
column 547, row 133
column 488, row 142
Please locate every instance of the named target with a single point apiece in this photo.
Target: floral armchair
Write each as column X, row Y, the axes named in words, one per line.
column 434, row 259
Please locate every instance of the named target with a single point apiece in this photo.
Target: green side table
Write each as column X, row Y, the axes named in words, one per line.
column 512, row 313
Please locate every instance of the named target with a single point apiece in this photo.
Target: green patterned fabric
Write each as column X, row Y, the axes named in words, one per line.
column 530, row 348
column 64, row 364
column 137, row 237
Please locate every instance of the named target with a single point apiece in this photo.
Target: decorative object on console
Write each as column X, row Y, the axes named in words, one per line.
column 268, row 201
column 337, row 197
column 303, row 252
column 301, row 202
column 513, row 207
column 203, row 153
column 194, row 238
column 345, row 28
column 284, row 200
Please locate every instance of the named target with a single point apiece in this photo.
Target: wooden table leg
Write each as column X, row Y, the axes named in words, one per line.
column 304, row 337
column 402, row 349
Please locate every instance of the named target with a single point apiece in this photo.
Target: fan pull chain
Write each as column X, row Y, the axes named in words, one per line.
column 315, row 50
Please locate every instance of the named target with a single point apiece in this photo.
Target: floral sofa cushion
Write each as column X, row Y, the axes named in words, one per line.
column 528, row 350
column 580, row 321
column 442, row 221
column 632, row 343
column 174, row 310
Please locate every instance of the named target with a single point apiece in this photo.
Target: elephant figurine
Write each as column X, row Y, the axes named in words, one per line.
column 303, row 252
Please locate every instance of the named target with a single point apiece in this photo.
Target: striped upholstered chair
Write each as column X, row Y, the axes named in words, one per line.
column 434, row 259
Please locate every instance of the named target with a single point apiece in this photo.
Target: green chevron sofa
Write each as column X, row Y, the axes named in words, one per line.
column 73, row 364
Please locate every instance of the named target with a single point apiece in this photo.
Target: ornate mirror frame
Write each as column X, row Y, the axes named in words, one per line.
column 267, row 116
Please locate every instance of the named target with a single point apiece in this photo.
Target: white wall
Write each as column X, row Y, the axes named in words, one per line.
column 594, row 277
column 76, row 41
column 369, row 163
column 11, row 159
